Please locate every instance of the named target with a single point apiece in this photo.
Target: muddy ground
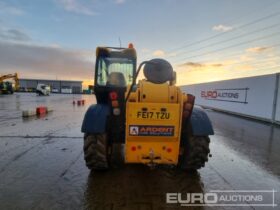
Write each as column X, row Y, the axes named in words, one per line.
column 42, row 166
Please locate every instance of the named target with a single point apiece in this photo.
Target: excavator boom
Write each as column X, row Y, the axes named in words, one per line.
column 8, row 76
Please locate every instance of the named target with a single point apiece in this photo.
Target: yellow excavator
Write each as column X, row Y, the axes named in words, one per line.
column 6, row 87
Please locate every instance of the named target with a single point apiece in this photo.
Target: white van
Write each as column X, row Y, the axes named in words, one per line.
column 43, row 90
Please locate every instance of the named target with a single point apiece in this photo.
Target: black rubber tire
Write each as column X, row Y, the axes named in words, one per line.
column 195, row 153
column 96, row 153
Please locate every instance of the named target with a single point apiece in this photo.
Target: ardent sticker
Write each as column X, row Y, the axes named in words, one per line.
column 151, row 130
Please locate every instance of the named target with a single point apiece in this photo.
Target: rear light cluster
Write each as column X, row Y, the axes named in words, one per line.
column 167, row 149
column 115, row 103
column 139, row 147
column 134, row 148
column 113, row 95
column 116, row 111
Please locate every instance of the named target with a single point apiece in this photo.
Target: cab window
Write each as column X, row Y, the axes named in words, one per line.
column 114, row 71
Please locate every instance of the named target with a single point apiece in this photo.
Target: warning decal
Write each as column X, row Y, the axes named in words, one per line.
column 151, row 130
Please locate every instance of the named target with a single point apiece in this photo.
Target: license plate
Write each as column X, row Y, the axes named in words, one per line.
column 153, row 115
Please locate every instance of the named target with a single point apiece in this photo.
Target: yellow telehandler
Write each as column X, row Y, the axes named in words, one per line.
column 155, row 121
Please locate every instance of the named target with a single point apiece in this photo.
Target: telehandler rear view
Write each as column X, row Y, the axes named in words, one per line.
column 155, row 121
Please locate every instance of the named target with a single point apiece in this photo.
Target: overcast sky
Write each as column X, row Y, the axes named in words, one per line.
column 205, row 40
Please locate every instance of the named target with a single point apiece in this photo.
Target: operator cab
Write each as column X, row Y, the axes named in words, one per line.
column 115, row 69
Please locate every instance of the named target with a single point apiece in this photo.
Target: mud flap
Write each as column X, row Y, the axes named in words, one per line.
column 201, row 125
column 95, row 119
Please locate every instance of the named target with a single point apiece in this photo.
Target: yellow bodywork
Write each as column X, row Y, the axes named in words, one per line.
column 11, row 76
column 153, row 124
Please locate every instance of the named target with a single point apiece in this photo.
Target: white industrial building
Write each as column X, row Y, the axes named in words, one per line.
column 257, row 97
column 59, row 86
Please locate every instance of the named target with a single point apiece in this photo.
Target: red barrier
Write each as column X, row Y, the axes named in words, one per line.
column 41, row 110
column 79, row 102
